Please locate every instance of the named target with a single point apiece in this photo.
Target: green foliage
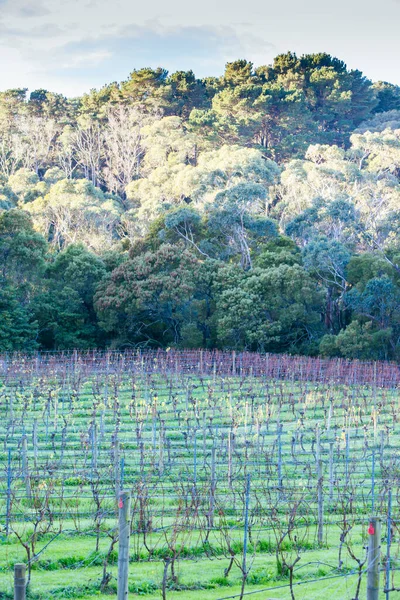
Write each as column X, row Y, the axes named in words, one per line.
column 358, row 340
column 273, row 309
column 22, row 250
column 153, row 211
column 147, row 299
column 18, row 330
column 64, row 309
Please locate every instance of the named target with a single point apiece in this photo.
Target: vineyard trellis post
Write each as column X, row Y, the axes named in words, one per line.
column 331, row 478
column 280, row 427
column 373, row 483
column 212, row 488
column 117, row 466
column 8, row 506
column 388, row 544
column 230, row 443
column 93, row 436
column 35, row 442
column 25, row 466
column 19, row 581
column 194, row 464
column 246, row 532
column 161, row 449
column 374, row 553
column 124, row 505
column 320, row 503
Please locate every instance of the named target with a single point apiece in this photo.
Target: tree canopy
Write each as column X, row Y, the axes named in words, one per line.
column 258, row 210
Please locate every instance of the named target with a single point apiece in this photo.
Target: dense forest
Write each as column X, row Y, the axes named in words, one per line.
column 259, row 210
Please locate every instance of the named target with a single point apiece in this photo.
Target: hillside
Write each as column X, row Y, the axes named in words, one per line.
column 255, row 211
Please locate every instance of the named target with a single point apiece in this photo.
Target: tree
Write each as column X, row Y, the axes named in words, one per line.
column 274, row 309
column 186, row 93
column 147, row 89
column 87, row 144
column 337, row 98
column 380, row 122
column 217, row 171
column 75, row 211
column 96, row 103
column 7, row 196
column 22, row 251
column 388, row 96
column 12, row 104
column 18, row 329
column 327, row 260
column 236, row 220
column 22, row 259
column 358, row 341
column 148, row 298
column 39, row 135
column 373, row 298
column 65, row 310
column 123, row 149
column 45, row 104
column 26, row 185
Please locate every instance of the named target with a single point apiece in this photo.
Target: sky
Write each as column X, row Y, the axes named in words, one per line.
column 72, row 46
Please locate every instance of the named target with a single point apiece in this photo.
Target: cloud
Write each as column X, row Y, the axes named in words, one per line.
column 33, row 10
column 89, row 59
column 17, row 36
column 54, row 50
column 115, row 54
column 25, row 9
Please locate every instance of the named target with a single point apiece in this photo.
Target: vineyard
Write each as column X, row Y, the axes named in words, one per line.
column 249, row 475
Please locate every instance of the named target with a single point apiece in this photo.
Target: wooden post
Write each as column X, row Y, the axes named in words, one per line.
column 388, row 544
column 246, row 529
column 8, row 505
column 19, row 581
column 124, row 505
column 374, row 554
column 161, row 449
column 317, row 444
column 373, row 483
column 331, row 477
column 117, row 459
column 330, row 414
column 25, row 467
column 35, row 442
column 212, row 488
column 347, row 455
column 230, row 444
column 93, row 435
column 280, row 483
column 204, row 439
column 194, row 464
column 320, row 505
column 154, row 433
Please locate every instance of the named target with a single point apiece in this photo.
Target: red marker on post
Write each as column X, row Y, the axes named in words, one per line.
column 371, row 529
